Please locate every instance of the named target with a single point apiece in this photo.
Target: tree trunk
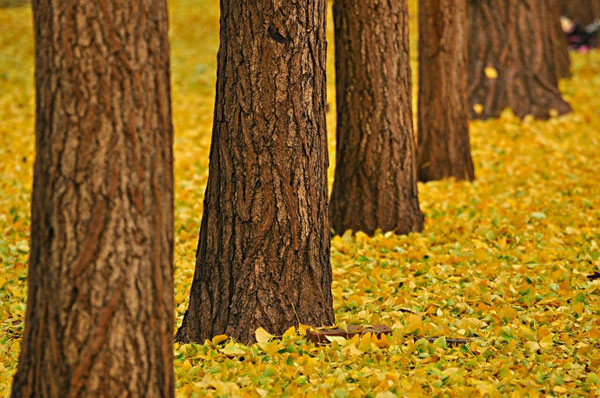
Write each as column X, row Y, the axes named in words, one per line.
column 560, row 46
column 582, row 11
column 443, row 145
column 263, row 251
column 375, row 183
column 99, row 317
column 511, row 64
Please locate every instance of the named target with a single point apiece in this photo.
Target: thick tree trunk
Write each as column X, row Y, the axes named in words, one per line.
column 560, row 46
column 511, row 63
column 375, row 183
column 99, row 317
column 263, row 251
column 443, row 144
column 582, row 11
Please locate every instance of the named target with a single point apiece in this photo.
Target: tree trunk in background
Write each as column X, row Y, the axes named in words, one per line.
column 443, row 144
column 560, row 46
column 263, row 251
column 99, row 317
column 511, row 63
column 375, row 177
column 582, row 11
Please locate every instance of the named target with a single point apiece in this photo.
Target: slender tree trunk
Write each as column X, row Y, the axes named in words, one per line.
column 443, row 144
column 99, row 317
column 263, row 251
column 375, row 183
column 560, row 46
column 511, row 64
column 582, row 11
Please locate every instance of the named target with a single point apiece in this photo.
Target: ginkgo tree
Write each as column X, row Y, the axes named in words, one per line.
column 511, row 60
column 99, row 319
column 375, row 185
column 263, row 251
column 443, row 131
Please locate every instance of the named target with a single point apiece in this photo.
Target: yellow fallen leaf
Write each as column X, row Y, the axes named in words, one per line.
column 219, row 339
column 262, row 336
column 303, row 329
column 531, row 345
column 385, row 394
column 233, row 349
column 343, row 325
column 546, row 342
column 413, row 323
column 542, row 332
column 338, row 339
column 490, row 72
column 365, row 342
column 290, row 332
column 270, row 348
column 351, row 350
column 381, row 342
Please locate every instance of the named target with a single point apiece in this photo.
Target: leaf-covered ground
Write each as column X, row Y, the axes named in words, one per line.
column 502, row 260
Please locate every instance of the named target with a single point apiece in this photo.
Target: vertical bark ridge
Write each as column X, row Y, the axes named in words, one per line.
column 443, row 145
column 511, row 63
column 560, row 46
column 99, row 316
column 263, row 249
column 375, row 178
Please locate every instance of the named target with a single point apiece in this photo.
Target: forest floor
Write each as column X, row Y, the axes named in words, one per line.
column 502, row 260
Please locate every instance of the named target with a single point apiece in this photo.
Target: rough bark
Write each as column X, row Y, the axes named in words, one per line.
column 263, row 251
column 560, row 46
column 99, row 319
column 582, row 11
column 443, row 145
column 511, row 39
column 375, row 184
